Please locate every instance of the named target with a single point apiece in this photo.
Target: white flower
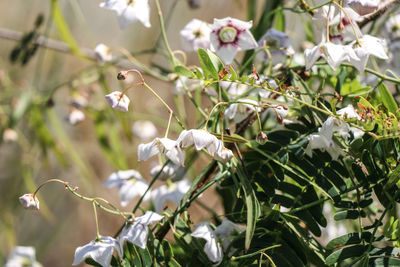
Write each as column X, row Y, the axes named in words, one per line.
column 173, row 192
column 212, row 248
column 169, row 171
column 75, row 116
column 392, row 27
column 137, row 232
column 323, row 140
column 334, row 54
column 129, row 11
column 363, row 7
column 195, row 35
column 278, row 44
column 229, row 36
column 225, row 231
column 240, row 111
column 117, row 102
column 103, row 53
column 144, row 129
column 224, row 155
column 22, row 256
column 348, row 112
column 191, row 84
column 168, row 147
column 30, row 202
column 10, row 135
column 370, row 45
column 130, row 184
column 200, row 139
column 99, row 250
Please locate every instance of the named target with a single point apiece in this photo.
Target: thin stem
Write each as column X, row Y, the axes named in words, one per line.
column 258, row 119
column 96, row 220
column 349, row 19
column 327, row 24
column 47, row 182
column 163, row 32
column 165, row 104
column 255, row 253
column 183, row 54
column 212, row 110
column 169, row 123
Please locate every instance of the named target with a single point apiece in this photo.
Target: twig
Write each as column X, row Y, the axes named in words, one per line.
column 377, row 13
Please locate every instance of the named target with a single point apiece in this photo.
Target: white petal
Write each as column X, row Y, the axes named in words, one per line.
column 100, row 251
column 149, row 217
column 246, row 41
column 227, row 53
column 211, row 248
column 311, row 56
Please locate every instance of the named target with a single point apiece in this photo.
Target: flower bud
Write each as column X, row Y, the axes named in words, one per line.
column 122, row 75
column 261, row 138
column 29, row 201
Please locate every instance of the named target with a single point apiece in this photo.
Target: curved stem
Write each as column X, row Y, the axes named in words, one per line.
column 47, row 182
column 349, row 19
column 96, row 220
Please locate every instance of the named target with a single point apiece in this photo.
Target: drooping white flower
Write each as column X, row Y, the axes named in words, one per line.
column 225, row 231
column 191, row 84
column 212, row 248
column 229, row 36
column 75, row 116
column 129, row 11
column 22, row 256
column 278, row 44
column 130, row 184
column 173, row 192
column 170, row 171
column 118, row 101
column 165, row 146
column 99, row 250
column 137, row 232
column 200, row 139
column 348, row 112
column 370, row 45
column 240, row 111
column 30, row 202
column 343, row 128
column 195, row 35
column 363, row 7
column 144, row 129
column 224, row 155
column 103, row 53
column 334, row 54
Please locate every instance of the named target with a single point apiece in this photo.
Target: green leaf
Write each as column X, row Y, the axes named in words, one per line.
column 253, row 206
column 63, row 28
column 280, row 20
column 345, row 253
column 234, row 75
column 387, row 98
column 207, row 64
column 348, row 214
column 394, row 178
column 183, row 71
column 348, row 239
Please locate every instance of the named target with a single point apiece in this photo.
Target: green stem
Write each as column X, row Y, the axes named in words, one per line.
column 96, row 220
column 163, row 33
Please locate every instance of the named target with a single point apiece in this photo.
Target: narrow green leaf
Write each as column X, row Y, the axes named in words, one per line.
column 234, row 75
column 348, row 239
column 280, row 20
column 183, row 71
column 63, row 28
column 387, row 98
column 348, row 214
column 345, row 253
column 207, row 64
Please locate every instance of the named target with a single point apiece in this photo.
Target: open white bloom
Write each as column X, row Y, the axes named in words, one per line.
column 195, row 35
column 229, row 36
column 137, row 232
column 240, row 111
column 392, row 27
column 99, row 250
column 370, row 45
column 278, row 44
column 118, row 101
column 144, row 129
column 22, row 256
column 191, row 84
column 129, row 183
column 363, row 7
column 212, row 248
column 165, row 146
column 129, row 11
column 30, row 202
column 75, row 116
column 103, row 53
column 225, row 231
column 173, row 192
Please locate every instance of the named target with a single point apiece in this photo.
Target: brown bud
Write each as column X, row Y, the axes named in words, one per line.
column 261, row 138
column 122, row 75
